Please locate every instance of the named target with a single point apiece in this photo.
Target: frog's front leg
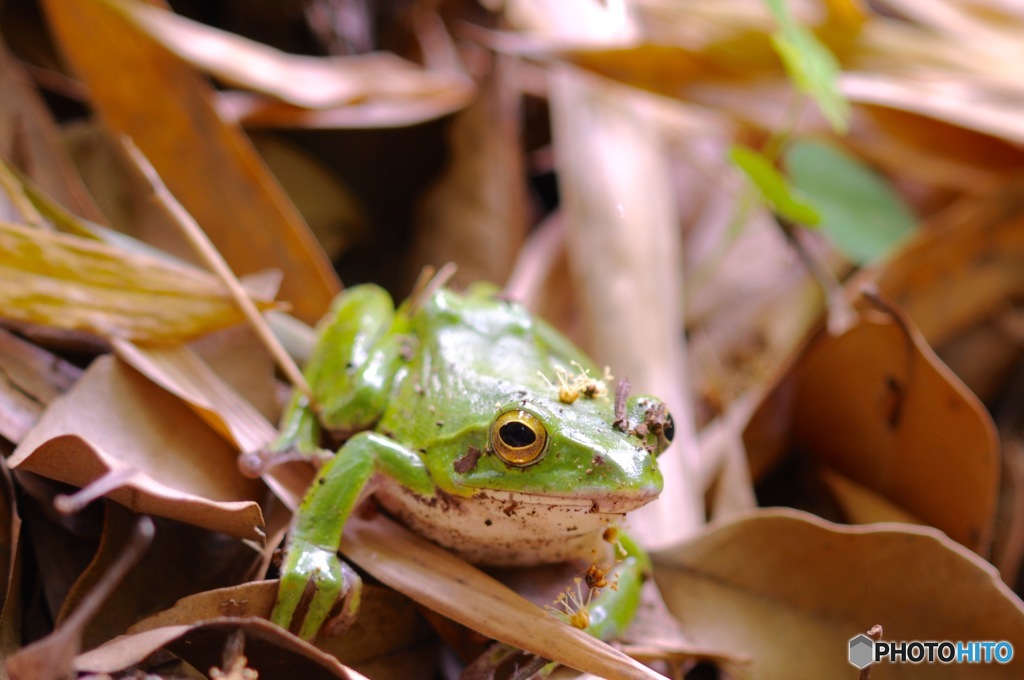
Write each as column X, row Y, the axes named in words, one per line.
column 312, row 560
column 349, row 371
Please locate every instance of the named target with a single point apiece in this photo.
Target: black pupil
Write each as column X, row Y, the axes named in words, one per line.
column 517, row 435
column 669, row 429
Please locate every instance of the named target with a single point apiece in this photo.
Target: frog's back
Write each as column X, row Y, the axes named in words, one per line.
column 474, row 351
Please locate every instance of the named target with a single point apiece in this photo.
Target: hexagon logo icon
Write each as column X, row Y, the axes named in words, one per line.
column 862, row 651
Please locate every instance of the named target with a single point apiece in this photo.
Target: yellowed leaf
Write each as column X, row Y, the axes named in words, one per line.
column 789, row 590
column 151, row 453
column 77, row 284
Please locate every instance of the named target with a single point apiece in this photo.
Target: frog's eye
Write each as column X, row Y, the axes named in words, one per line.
column 519, row 438
column 668, row 432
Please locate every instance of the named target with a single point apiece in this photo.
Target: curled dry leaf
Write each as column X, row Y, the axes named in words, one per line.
column 311, row 82
column 386, row 640
column 436, row 579
column 789, row 590
column 76, row 284
column 963, row 268
column 268, row 648
column 208, row 165
column 876, row 405
column 256, row 111
column 145, row 449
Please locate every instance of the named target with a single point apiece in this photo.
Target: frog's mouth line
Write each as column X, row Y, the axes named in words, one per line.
column 618, row 504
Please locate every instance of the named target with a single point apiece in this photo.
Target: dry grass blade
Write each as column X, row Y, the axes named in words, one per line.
column 77, row 284
column 440, row 581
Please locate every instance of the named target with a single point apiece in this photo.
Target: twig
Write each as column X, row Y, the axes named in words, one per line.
column 201, row 242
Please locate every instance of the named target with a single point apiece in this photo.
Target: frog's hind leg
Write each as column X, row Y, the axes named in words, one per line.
column 350, row 371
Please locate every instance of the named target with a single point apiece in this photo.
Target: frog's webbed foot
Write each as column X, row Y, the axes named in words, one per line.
column 313, row 580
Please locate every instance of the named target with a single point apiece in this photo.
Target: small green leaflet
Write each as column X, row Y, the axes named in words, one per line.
column 810, row 64
column 773, row 186
column 860, row 212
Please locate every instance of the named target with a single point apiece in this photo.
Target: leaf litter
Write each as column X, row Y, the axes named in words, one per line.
column 651, row 255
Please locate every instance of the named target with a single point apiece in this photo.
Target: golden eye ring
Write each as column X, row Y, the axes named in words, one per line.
column 518, row 437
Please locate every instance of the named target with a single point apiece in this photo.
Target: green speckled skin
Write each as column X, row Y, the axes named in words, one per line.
column 421, row 387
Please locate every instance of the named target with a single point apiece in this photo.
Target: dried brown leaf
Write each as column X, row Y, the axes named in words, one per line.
column 149, row 450
column 207, row 164
column 268, row 648
column 877, row 406
column 476, row 214
column 10, row 568
column 963, row 268
column 383, row 642
column 179, row 371
column 30, row 140
column 789, row 590
column 30, row 378
column 444, row 583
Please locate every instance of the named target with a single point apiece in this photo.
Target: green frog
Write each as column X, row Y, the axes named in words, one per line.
column 478, row 426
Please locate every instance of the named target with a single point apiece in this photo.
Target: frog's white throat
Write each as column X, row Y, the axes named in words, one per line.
column 509, row 528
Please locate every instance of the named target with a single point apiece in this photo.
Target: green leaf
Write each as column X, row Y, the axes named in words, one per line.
column 860, row 212
column 810, row 64
column 773, row 186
